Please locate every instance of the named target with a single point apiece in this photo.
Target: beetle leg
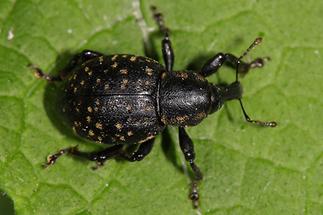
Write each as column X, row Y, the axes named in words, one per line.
column 214, row 63
column 187, row 148
column 63, row 74
column 143, row 150
column 99, row 156
column 168, row 54
column 51, row 159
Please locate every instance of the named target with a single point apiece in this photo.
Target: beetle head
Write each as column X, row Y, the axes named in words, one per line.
column 220, row 93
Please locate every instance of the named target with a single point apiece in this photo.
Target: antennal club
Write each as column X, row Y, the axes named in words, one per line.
column 257, row 122
column 257, row 41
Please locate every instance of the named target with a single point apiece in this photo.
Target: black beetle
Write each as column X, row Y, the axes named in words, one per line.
column 126, row 100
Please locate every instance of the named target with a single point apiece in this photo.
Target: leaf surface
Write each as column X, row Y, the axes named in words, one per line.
column 247, row 170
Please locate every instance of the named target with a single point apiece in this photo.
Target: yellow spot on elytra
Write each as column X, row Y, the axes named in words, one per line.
column 164, row 75
column 106, row 86
column 200, row 116
column 129, row 133
column 91, row 133
column 88, row 119
column 97, row 102
column 147, row 83
column 77, row 124
column 148, row 108
column 182, row 75
column 123, row 71
column 128, row 107
column 114, row 65
column 90, row 109
column 100, row 139
column 114, row 57
column 118, row 125
column 182, row 119
column 163, row 118
column 124, row 84
column 99, row 125
column 149, row 71
column 101, row 59
column 133, row 58
column 199, row 77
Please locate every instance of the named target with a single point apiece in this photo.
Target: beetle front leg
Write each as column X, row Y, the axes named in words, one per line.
column 168, row 53
column 214, row 63
column 63, row 74
column 187, row 148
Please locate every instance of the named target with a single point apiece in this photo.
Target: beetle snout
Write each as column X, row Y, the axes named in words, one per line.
column 236, row 87
column 232, row 91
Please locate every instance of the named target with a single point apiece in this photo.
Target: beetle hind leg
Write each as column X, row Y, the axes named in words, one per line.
column 63, row 74
column 187, row 148
column 39, row 73
column 51, row 159
column 101, row 156
column 98, row 156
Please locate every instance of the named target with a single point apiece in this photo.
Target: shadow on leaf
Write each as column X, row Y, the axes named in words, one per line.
column 6, row 204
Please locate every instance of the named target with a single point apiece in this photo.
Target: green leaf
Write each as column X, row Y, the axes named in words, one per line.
column 247, row 170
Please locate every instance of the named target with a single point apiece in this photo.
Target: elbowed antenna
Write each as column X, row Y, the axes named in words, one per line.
column 272, row 124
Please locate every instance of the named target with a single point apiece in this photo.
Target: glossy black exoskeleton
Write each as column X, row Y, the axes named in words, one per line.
column 126, row 100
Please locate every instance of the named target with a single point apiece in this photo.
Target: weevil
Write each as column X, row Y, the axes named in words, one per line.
column 125, row 100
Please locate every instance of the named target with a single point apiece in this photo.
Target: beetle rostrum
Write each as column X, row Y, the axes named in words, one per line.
column 124, row 101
